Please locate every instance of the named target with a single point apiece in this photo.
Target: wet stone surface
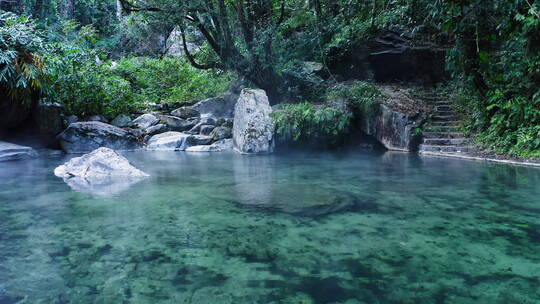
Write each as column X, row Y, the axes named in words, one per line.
column 299, row 228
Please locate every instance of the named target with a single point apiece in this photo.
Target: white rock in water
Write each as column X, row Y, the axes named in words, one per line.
column 170, row 141
column 210, row 148
column 253, row 130
column 102, row 162
column 219, row 146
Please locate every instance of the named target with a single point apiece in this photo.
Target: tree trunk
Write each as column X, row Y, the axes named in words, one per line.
column 119, row 10
column 38, row 9
column 67, row 11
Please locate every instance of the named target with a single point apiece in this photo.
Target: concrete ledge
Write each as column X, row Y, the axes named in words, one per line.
column 485, row 159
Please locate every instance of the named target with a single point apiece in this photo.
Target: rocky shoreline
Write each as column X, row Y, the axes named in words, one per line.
column 239, row 122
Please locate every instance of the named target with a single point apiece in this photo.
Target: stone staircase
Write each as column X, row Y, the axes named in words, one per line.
column 442, row 134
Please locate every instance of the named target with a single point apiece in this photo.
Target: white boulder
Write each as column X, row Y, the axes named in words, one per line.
column 102, row 162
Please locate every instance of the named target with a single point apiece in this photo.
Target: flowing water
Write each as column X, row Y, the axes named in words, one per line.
column 358, row 227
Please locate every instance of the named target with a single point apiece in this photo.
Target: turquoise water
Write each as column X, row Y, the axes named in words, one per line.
column 357, row 227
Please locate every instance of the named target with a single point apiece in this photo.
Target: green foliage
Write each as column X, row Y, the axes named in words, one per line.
column 21, row 67
column 305, row 122
column 170, row 79
column 360, row 95
column 87, row 87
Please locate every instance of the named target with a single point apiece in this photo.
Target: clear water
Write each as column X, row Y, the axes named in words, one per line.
column 343, row 228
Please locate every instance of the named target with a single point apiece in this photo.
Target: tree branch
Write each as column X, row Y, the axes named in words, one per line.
column 190, row 57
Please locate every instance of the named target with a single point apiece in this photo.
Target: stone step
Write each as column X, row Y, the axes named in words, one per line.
column 443, row 107
column 441, row 103
column 444, row 113
column 444, row 118
column 446, row 141
column 444, row 123
column 447, row 149
column 442, row 129
column 442, row 134
column 432, row 96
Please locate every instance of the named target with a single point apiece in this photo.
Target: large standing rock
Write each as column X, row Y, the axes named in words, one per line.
column 145, row 121
column 9, row 151
column 253, row 130
column 82, row 137
column 99, row 163
column 49, row 117
column 217, row 107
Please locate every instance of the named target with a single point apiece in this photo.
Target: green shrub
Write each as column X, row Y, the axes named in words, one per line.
column 170, row 79
column 305, row 122
column 360, row 95
column 22, row 69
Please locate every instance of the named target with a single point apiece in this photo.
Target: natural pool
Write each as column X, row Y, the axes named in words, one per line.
column 355, row 227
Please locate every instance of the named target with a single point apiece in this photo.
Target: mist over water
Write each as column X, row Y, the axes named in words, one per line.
column 355, row 227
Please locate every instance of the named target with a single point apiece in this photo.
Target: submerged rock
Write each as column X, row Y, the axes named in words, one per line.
column 9, row 151
column 101, row 172
column 145, row 121
column 102, row 162
column 81, row 137
column 253, row 130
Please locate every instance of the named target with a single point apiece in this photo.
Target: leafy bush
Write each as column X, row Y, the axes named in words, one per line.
column 170, row 79
column 361, row 96
column 359, row 93
column 305, row 122
column 21, row 67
